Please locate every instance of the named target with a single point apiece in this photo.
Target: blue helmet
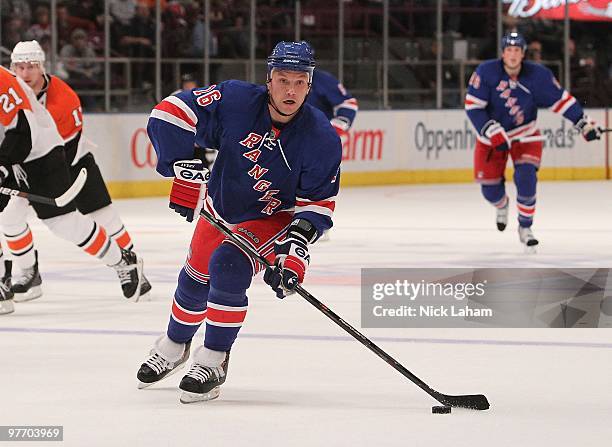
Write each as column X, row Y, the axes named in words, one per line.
column 513, row 39
column 292, row 56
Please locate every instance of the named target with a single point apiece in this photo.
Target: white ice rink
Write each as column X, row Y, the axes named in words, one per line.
column 296, row 379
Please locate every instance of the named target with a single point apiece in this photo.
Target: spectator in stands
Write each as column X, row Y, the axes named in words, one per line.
column 534, row 51
column 234, row 42
column 67, row 23
column 60, row 70
column 588, row 81
column 122, row 10
column 138, row 41
column 16, row 8
column 175, row 32
column 83, row 74
column 87, row 9
column 41, row 25
column 92, row 12
column 199, row 33
column 427, row 76
column 13, row 31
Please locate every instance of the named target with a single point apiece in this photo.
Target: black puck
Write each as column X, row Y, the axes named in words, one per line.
column 441, row 409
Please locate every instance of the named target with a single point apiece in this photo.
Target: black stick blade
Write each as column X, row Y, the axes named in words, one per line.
column 470, row 401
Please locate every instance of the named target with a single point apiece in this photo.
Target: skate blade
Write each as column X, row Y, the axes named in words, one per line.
column 143, row 385
column 325, row 237
column 189, row 398
column 7, row 307
column 139, row 266
column 530, row 249
column 32, row 294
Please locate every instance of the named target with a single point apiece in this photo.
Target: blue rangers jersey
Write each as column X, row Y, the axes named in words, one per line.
column 260, row 170
column 329, row 95
column 494, row 96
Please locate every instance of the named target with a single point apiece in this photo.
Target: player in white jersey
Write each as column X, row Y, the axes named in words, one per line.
column 32, row 158
column 27, row 61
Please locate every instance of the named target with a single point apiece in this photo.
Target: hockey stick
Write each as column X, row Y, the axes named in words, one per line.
column 530, row 139
column 60, row 201
column 471, row 401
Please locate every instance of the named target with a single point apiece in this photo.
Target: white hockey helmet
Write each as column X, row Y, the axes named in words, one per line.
column 28, row 51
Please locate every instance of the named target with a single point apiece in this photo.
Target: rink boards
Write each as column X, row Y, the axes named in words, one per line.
column 383, row 147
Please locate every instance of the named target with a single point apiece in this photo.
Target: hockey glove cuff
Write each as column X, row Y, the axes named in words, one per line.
column 188, row 192
column 497, row 135
column 588, row 128
column 292, row 258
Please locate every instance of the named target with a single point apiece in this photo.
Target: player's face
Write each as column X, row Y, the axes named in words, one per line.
column 30, row 72
column 288, row 90
column 513, row 56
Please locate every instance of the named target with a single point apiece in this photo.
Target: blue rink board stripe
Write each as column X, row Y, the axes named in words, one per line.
column 448, row 341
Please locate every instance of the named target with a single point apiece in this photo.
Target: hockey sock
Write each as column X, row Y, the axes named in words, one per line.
column 20, row 244
column 230, row 277
column 87, row 234
column 525, row 178
column 188, row 307
column 108, row 218
column 495, row 194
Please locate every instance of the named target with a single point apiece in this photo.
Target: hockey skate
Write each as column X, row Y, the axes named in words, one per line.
column 502, row 217
column 29, row 285
column 145, row 287
column 324, row 237
column 157, row 367
column 202, row 383
column 528, row 239
column 6, row 294
column 129, row 271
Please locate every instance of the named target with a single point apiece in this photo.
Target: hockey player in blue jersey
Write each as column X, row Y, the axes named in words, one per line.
column 274, row 183
column 339, row 106
column 329, row 96
column 502, row 101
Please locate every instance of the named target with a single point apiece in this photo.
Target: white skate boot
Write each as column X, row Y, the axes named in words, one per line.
column 502, row 217
column 166, row 358
column 528, row 239
column 205, row 377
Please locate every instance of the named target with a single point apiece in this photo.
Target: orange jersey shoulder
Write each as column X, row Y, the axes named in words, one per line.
column 64, row 106
column 13, row 98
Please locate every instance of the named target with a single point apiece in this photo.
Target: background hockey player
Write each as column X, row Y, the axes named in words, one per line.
column 274, row 182
column 340, row 107
column 32, row 158
column 329, row 96
column 28, row 61
column 502, row 102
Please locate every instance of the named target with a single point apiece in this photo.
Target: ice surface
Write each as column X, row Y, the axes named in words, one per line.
column 296, row 379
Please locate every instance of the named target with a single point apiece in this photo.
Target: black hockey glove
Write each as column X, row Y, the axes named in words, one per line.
column 588, row 128
column 292, row 258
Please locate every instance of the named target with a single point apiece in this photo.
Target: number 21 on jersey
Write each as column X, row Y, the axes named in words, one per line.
column 9, row 100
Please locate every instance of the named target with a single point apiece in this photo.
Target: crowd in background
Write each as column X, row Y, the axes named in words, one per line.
column 81, row 40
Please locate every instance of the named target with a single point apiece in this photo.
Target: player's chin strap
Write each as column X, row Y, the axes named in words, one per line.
column 271, row 102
